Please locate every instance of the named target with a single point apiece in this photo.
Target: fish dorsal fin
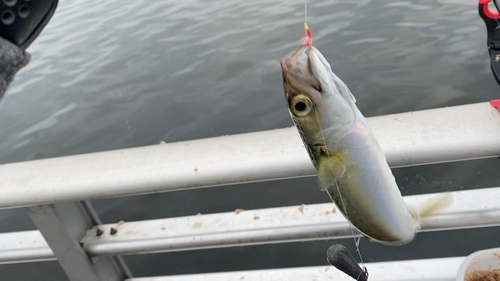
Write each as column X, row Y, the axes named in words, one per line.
column 343, row 89
column 341, row 86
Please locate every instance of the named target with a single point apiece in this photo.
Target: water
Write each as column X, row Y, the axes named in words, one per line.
column 116, row 74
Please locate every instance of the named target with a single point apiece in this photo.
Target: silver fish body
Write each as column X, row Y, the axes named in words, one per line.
column 350, row 163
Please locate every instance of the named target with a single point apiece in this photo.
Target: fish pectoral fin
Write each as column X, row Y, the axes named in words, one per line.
column 436, row 204
column 330, row 170
column 323, row 185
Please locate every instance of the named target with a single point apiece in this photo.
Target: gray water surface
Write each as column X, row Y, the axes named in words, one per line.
column 116, row 74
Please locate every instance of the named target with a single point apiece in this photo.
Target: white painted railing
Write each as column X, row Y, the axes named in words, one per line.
column 249, row 227
column 415, row 138
column 438, row 269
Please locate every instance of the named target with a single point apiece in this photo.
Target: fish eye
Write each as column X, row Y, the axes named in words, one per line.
column 301, row 105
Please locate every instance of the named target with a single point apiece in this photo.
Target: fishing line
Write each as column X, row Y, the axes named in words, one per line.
column 356, row 239
column 305, row 12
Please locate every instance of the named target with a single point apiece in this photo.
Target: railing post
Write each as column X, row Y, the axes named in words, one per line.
column 63, row 226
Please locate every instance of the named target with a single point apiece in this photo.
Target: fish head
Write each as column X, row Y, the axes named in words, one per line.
column 318, row 101
column 302, row 90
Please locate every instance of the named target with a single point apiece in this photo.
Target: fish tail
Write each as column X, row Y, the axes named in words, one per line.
column 431, row 207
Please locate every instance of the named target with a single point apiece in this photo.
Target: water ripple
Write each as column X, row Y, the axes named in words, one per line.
column 126, row 73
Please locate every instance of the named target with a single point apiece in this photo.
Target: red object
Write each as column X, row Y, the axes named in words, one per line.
column 486, row 10
column 309, row 34
column 309, row 38
column 495, row 103
column 307, row 41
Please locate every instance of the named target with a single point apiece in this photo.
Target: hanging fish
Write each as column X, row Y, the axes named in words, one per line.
column 350, row 164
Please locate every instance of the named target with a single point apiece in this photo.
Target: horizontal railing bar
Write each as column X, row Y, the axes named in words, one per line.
column 471, row 208
column 442, row 269
column 24, row 246
column 414, row 138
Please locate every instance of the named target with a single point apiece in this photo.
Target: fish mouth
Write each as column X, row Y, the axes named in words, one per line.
column 298, row 76
column 295, row 61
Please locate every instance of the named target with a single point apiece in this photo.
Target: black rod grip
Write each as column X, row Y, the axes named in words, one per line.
column 339, row 257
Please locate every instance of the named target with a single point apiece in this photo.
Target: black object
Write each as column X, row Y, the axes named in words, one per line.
column 21, row 21
column 492, row 21
column 338, row 256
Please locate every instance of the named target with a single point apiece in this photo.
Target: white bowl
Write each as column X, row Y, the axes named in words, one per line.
column 486, row 261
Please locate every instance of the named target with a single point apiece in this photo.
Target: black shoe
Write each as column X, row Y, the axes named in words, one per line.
column 21, row 21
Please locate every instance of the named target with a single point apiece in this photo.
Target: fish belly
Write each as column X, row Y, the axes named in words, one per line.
column 360, row 182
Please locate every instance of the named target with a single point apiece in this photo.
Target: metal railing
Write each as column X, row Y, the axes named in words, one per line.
column 439, row 269
column 408, row 139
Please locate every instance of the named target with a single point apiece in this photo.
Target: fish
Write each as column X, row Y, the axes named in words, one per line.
column 351, row 166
